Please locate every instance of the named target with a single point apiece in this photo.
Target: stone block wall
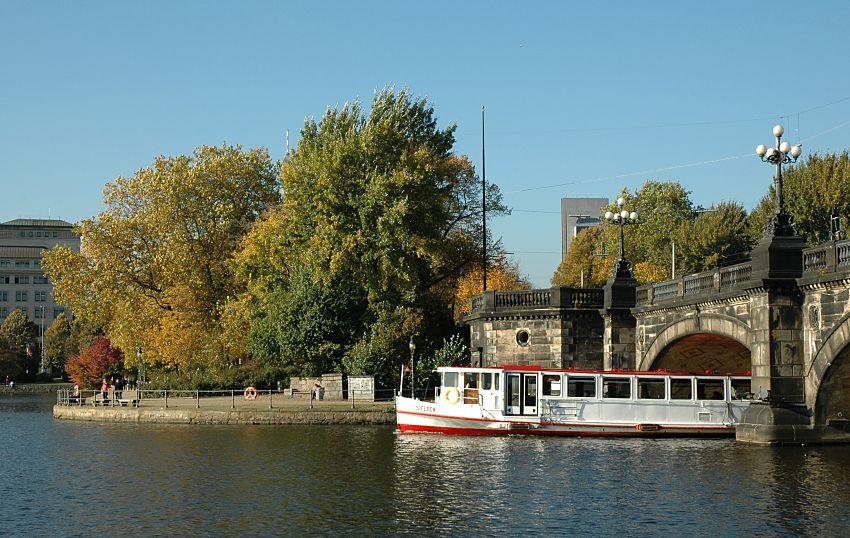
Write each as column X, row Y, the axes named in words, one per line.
column 334, row 385
column 361, row 387
column 558, row 340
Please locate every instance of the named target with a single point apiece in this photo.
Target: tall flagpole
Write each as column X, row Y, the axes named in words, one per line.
column 483, row 208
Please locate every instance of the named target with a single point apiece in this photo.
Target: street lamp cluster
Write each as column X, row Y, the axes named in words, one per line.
column 622, row 217
column 782, row 153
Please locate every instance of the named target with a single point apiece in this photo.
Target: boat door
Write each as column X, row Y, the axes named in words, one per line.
column 529, row 398
column 521, row 394
column 513, row 400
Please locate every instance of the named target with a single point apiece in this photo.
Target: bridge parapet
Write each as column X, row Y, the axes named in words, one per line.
column 695, row 287
column 558, row 297
column 829, row 257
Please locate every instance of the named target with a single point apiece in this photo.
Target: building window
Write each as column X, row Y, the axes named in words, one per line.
column 4, row 279
column 40, row 296
column 4, row 295
column 38, row 234
column 22, row 263
column 22, row 279
column 57, row 311
column 5, row 263
column 40, row 279
column 36, row 263
column 23, row 234
column 55, row 234
column 21, row 296
column 29, row 234
column 39, row 313
column 4, row 311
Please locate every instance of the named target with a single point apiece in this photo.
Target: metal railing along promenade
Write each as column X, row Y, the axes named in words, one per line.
column 224, row 399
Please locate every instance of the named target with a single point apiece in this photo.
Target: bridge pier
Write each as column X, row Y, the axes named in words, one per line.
column 780, row 414
column 619, row 334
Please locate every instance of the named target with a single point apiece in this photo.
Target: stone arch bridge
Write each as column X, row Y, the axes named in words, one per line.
column 785, row 317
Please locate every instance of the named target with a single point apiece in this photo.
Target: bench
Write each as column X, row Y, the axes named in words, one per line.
column 128, row 397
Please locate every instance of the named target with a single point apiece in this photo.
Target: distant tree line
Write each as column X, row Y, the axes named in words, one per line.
column 706, row 238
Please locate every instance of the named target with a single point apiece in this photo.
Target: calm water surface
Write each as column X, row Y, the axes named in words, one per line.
column 68, row 478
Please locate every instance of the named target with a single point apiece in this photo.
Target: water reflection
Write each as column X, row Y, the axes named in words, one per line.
column 79, row 478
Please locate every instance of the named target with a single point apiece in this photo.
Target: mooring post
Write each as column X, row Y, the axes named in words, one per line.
column 166, row 398
column 311, row 398
column 270, row 398
column 197, row 399
column 232, row 399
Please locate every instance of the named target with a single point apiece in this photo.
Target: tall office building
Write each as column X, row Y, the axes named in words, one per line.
column 578, row 214
column 23, row 285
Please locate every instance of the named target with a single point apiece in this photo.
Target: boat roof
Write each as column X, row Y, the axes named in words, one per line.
column 534, row 368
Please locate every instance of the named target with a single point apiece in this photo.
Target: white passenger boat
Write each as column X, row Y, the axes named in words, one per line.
column 528, row 400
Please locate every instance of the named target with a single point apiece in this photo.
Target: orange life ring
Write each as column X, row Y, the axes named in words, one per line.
column 250, row 393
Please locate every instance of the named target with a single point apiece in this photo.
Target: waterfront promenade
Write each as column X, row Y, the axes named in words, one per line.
column 232, row 409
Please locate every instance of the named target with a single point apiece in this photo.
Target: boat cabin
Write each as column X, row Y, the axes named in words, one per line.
column 532, row 391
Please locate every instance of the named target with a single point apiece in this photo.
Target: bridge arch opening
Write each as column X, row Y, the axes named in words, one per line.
column 833, row 399
column 703, row 352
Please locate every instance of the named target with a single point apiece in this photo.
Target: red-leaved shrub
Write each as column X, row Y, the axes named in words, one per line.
column 89, row 367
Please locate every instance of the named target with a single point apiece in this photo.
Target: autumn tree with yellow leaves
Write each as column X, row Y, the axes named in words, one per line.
column 502, row 274
column 154, row 268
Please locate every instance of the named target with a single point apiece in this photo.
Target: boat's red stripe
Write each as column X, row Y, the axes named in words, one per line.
column 594, row 424
column 416, row 428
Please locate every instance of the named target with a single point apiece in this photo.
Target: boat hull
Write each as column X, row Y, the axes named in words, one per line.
column 421, row 417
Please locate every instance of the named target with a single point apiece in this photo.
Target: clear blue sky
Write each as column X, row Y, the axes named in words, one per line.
column 574, row 91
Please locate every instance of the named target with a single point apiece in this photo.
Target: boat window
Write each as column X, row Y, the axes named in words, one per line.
column 616, row 387
column 709, row 389
column 551, row 385
column 681, row 389
column 581, row 387
column 651, row 388
column 486, row 381
column 513, row 391
column 470, row 380
column 450, row 379
column 496, row 381
column 741, row 387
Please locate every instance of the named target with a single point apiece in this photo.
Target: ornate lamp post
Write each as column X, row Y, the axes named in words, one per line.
column 780, row 223
column 622, row 267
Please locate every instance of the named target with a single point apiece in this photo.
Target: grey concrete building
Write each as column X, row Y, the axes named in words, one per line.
column 578, row 214
column 23, row 285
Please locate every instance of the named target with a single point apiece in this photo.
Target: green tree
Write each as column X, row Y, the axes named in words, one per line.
column 57, row 342
column 662, row 207
column 716, row 238
column 453, row 352
column 382, row 215
column 305, row 329
column 154, row 270
column 18, row 335
column 812, row 189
